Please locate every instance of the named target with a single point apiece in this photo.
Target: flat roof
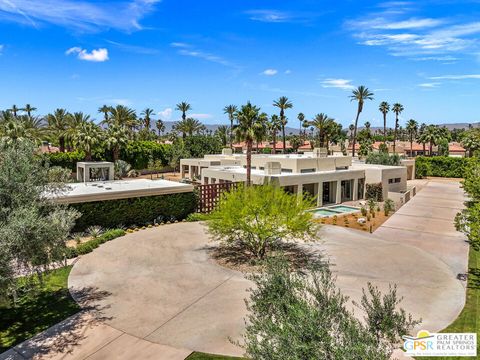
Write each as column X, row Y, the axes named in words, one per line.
column 258, row 172
column 119, row 189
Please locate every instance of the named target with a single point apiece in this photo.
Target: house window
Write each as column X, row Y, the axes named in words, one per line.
column 303, row 171
column 286, row 170
column 394, row 181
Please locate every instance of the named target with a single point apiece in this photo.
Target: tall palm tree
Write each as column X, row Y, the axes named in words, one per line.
column 431, row 136
column 122, row 115
column 283, row 104
column 183, row 107
column 160, row 127
column 58, row 126
column 412, row 129
column 305, row 126
column 116, row 138
column 359, row 95
column 324, row 125
column 471, row 141
column 74, row 122
column 14, row 109
column 397, row 108
column 87, row 136
column 249, row 122
column 188, row 127
column 147, row 113
column 275, row 125
column 301, row 119
column 230, row 110
column 222, row 132
column 29, row 109
column 384, row 108
column 105, row 109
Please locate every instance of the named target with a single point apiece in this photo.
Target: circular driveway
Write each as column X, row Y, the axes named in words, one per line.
column 159, row 284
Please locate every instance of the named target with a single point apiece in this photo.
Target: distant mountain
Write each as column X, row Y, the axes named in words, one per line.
column 213, row 127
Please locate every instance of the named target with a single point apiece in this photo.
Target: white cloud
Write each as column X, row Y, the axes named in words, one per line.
column 79, row 15
column 270, row 72
column 455, row 77
column 272, row 16
column 189, row 50
column 412, row 23
column 165, row 114
column 96, row 55
column 338, row 83
column 179, row 45
column 118, row 101
column 429, row 85
column 1, row 48
column 201, row 116
column 287, row 72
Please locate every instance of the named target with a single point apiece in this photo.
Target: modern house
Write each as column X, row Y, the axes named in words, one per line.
column 330, row 179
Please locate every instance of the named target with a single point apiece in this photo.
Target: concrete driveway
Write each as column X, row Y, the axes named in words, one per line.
column 156, row 292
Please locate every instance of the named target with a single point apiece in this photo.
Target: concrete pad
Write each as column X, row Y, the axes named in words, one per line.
column 428, row 211
column 423, row 225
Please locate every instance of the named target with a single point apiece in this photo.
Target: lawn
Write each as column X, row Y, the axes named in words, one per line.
column 469, row 318
column 36, row 310
column 203, row 356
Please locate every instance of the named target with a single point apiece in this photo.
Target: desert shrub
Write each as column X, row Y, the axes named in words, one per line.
column 66, row 160
column 363, row 210
column 383, row 158
column 259, row 218
column 139, row 153
column 91, row 245
column 374, row 191
column 135, row 211
column 388, row 207
column 441, row 166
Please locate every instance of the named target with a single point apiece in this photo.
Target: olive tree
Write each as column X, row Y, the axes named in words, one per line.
column 258, row 218
column 301, row 314
column 33, row 229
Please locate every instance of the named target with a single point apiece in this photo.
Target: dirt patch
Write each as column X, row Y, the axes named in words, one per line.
column 372, row 222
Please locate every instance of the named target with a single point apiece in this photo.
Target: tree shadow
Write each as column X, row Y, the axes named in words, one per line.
column 64, row 336
column 236, row 257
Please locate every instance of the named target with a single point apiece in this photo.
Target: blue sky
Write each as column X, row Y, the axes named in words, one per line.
column 148, row 53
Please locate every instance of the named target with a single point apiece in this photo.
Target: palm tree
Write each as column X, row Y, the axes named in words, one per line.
column 146, row 117
column 283, row 104
column 230, row 110
column 301, row 119
column 160, row 127
column 222, row 132
column 87, row 137
column 188, row 127
column 431, row 136
column 249, row 121
column 324, row 125
column 397, row 108
column 412, row 129
column 29, row 109
column 116, row 137
column 305, row 126
column 58, row 126
column 359, row 94
column 183, row 107
column 275, row 125
column 122, row 115
column 74, row 122
column 105, row 110
column 471, row 141
column 14, row 109
column 384, row 108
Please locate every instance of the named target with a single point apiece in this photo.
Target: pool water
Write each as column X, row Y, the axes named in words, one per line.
column 326, row 212
column 344, row 208
column 334, row 210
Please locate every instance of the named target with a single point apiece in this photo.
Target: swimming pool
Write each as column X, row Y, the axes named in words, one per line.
column 334, row 210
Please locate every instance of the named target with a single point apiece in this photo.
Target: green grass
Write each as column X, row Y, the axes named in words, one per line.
column 37, row 309
column 469, row 319
column 203, row 356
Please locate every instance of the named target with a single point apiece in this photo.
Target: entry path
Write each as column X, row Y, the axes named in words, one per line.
column 155, row 294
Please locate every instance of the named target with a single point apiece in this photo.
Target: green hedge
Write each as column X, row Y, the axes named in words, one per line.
column 139, row 153
column 441, row 166
column 66, row 160
column 89, row 246
column 135, row 211
column 374, row 191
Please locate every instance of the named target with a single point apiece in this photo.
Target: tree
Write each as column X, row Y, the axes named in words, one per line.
column 105, row 110
column 471, row 141
column 188, row 127
column 58, row 126
column 122, row 116
column 160, row 127
column 177, row 153
column 116, row 138
column 397, row 108
column 301, row 119
column 300, row 314
column 259, row 218
column 147, row 113
column 222, row 132
column 14, row 109
column 249, row 121
column 430, row 135
column 274, row 125
column 230, row 110
column 183, row 107
column 412, row 130
column 325, row 126
column 283, row 104
column 384, row 108
column 87, row 136
column 296, row 142
column 74, row 122
column 359, row 95
column 29, row 109
column 33, row 228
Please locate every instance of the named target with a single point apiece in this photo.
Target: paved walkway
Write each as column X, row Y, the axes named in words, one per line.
column 156, row 294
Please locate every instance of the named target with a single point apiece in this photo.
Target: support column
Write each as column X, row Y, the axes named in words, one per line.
column 320, row 194
column 339, row 192
column 300, row 191
column 355, row 189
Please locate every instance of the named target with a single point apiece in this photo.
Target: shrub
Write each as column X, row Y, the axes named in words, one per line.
column 374, row 191
column 200, row 145
column 139, row 153
column 383, row 158
column 258, row 218
column 89, row 246
column 65, row 160
column 363, row 211
column 441, row 166
column 135, row 211
column 388, row 206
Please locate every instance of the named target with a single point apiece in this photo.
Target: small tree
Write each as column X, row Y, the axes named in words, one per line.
column 301, row 314
column 259, row 218
column 388, row 207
